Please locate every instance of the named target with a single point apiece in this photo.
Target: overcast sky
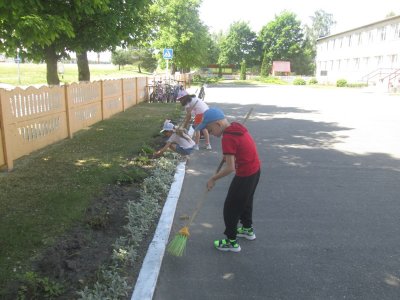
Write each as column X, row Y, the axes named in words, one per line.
column 219, row 14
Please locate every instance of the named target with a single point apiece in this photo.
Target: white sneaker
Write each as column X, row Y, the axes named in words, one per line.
column 208, row 147
column 196, row 147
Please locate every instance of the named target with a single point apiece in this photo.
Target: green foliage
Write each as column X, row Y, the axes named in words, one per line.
column 36, row 287
column 141, row 215
column 272, row 80
column 299, row 81
column 239, row 44
column 313, row 81
column 341, row 83
column 61, row 180
column 356, row 85
column 122, row 57
column 283, row 39
column 322, row 23
column 198, row 79
column 180, row 28
column 243, row 70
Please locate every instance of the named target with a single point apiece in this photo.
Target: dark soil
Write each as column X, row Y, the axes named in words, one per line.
column 74, row 260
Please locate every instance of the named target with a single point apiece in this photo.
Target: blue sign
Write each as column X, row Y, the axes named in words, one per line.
column 168, row 53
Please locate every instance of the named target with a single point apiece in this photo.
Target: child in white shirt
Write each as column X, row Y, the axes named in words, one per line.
column 179, row 142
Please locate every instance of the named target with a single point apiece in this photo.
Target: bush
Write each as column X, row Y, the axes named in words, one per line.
column 356, row 85
column 313, row 81
column 299, row 81
column 341, row 83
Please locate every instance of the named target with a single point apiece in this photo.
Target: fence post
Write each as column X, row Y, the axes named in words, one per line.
column 4, row 133
column 102, row 99
column 122, row 94
column 136, row 90
column 67, row 111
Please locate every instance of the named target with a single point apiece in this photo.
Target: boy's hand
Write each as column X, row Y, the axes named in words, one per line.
column 157, row 154
column 210, row 184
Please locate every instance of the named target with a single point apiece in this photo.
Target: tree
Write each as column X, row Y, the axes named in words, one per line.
column 122, row 57
column 36, row 29
column 120, row 23
column 243, row 70
column 322, row 23
column 239, row 44
column 283, row 39
column 178, row 26
column 144, row 58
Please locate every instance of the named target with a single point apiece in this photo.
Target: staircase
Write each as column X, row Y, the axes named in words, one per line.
column 386, row 79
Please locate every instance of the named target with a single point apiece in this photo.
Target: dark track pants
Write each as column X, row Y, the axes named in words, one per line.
column 239, row 203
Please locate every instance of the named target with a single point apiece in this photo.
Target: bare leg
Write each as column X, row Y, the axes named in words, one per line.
column 206, row 136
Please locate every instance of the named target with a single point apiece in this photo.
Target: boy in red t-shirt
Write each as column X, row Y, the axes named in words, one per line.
column 241, row 157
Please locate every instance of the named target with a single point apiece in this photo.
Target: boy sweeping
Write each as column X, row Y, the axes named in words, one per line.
column 241, row 157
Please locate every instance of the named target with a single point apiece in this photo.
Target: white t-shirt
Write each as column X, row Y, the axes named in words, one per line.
column 198, row 108
column 184, row 143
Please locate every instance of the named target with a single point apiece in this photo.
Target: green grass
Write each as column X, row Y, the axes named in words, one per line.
column 36, row 73
column 49, row 190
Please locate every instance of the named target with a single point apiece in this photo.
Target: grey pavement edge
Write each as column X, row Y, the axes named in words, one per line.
column 148, row 275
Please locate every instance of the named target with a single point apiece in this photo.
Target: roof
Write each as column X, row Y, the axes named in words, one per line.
column 361, row 27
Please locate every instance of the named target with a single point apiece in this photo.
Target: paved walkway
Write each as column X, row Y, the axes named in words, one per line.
column 326, row 216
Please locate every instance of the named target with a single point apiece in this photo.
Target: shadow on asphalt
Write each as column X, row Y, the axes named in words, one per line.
column 327, row 221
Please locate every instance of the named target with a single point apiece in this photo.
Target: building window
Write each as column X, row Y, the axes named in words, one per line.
column 349, row 40
column 356, row 63
column 359, row 39
column 393, row 60
column 382, row 33
column 371, row 37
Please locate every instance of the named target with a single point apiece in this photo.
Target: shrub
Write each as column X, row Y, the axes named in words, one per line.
column 299, row 81
column 341, row 83
column 313, row 81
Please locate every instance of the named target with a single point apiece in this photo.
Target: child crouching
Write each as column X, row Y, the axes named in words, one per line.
column 178, row 140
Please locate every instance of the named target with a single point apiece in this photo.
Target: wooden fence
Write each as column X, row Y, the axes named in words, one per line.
column 33, row 118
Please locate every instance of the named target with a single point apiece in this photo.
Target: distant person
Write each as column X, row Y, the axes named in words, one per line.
column 241, row 156
column 180, row 142
column 197, row 107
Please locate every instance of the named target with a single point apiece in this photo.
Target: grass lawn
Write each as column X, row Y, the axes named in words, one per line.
column 36, row 73
column 49, row 190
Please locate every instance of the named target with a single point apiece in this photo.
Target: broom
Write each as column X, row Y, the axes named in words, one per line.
column 177, row 245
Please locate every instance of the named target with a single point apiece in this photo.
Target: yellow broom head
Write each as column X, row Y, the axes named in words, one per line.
column 177, row 245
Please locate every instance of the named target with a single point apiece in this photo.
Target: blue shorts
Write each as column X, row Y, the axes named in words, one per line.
column 182, row 151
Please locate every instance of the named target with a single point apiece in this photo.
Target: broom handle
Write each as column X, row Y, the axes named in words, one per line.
column 201, row 202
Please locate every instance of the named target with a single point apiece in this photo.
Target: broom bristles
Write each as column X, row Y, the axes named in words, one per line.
column 177, row 245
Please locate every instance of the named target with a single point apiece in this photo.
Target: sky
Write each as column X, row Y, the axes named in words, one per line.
column 349, row 14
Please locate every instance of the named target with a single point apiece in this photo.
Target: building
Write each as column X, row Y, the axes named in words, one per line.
column 367, row 54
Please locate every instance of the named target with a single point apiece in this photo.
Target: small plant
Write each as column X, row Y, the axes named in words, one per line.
column 36, row 287
column 131, row 175
column 99, row 221
column 341, row 83
column 299, row 81
column 313, row 81
column 147, row 150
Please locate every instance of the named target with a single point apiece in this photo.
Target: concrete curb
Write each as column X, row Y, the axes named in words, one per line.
column 148, row 275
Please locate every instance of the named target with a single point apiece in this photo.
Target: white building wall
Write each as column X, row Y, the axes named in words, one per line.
column 372, row 49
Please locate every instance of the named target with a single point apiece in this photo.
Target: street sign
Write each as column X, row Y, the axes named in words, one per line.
column 168, row 53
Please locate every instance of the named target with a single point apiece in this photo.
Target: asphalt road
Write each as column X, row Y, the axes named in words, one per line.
column 327, row 208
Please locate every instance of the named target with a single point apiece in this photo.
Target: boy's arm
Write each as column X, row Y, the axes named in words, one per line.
column 163, row 149
column 228, row 168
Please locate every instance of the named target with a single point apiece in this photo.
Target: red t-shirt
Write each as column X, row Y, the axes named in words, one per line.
column 237, row 141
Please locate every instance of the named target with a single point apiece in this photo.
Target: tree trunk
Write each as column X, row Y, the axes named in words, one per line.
column 173, row 69
column 139, row 69
column 51, row 66
column 83, row 66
